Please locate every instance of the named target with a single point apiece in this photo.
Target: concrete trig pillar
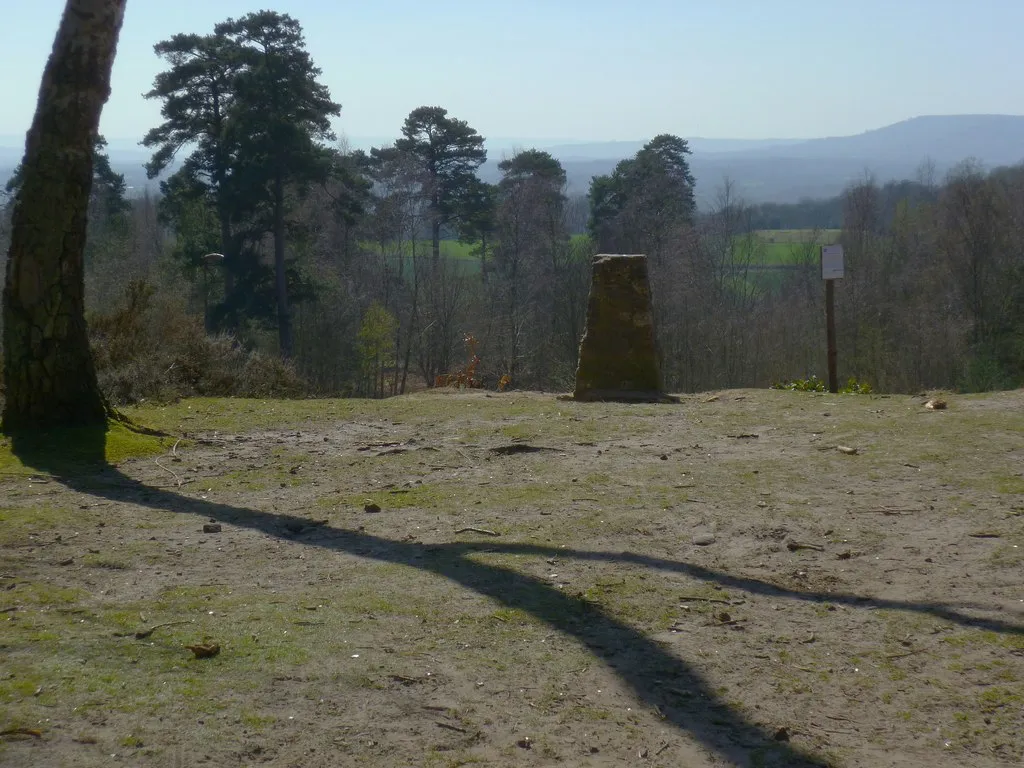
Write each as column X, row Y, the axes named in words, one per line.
column 619, row 354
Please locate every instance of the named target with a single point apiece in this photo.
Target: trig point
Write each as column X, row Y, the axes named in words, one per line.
column 618, row 353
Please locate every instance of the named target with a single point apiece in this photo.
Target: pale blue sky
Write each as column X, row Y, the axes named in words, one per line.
column 590, row 69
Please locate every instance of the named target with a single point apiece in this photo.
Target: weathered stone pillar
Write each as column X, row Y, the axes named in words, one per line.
column 618, row 354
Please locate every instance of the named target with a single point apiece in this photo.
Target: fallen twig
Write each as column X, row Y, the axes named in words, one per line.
column 463, row 454
column 884, row 511
column 844, row 719
column 793, row 546
column 142, row 634
column 472, row 529
column 455, row 728
column 171, row 471
column 404, row 679
column 908, row 653
column 706, row 599
column 22, row 732
column 508, row 450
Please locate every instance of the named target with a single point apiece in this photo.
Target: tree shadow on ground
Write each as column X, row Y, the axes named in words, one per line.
column 657, row 677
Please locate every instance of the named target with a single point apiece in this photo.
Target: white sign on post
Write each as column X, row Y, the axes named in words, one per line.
column 831, row 262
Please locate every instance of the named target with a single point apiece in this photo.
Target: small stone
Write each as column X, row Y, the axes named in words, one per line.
column 370, row 507
column 211, row 528
column 703, row 539
column 782, row 734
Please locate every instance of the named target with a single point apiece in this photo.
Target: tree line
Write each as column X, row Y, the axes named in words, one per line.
column 371, row 273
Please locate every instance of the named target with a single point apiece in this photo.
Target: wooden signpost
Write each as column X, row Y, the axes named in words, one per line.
column 831, row 270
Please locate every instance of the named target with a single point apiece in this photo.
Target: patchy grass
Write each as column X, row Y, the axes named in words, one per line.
column 591, row 620
column 73, row 447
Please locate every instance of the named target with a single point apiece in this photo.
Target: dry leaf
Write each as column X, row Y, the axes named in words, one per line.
column 204, row 650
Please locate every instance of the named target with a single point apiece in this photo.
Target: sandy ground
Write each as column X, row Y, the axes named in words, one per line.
column 513, row 580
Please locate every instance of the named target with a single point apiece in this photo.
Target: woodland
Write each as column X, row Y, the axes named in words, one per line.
column 275, row 261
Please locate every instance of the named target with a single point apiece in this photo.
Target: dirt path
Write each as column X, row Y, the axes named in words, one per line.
column 463, row 578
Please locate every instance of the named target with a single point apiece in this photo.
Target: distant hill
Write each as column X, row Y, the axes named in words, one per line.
column 786, row 171
column 994, row 139
column 767, row 170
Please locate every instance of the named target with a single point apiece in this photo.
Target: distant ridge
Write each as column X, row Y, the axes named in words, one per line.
column 763, row 170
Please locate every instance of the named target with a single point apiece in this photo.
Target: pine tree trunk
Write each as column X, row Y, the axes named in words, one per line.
column 284, row 320
column 48, row 369
column 230, row 259
column 435, row 239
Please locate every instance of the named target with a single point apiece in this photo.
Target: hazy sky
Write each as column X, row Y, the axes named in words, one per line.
column 590, row 69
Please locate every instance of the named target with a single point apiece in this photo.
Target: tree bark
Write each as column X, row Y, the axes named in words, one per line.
column 284, row 319
column 49, row 373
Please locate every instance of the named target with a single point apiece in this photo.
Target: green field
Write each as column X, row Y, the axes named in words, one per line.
column 770, row 249
column 460, row 255
column 792, row 246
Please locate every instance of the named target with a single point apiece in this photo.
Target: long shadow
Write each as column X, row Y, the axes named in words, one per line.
column 656, row 676
column 754, row 586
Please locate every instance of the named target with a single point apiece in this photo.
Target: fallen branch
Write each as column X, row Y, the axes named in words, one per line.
column 472, row 529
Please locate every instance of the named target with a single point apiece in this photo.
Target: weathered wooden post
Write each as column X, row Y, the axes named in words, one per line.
column 831, row 270
column 618, row 357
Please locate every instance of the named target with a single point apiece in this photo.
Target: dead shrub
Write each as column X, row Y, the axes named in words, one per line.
column 150, row 347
